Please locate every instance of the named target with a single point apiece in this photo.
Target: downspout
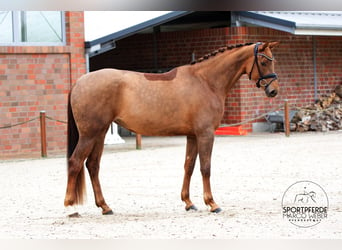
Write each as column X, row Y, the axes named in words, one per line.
column 314, row 66
column 87, row 60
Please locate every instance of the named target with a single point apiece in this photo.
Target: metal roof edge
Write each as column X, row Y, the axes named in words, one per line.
column 319, row 27
column 318, row 32
column 266, row 21
column 136, row 28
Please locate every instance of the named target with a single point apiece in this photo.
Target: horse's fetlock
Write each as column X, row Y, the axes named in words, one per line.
column 100, row 203
column 184, row 196
column 68, row 202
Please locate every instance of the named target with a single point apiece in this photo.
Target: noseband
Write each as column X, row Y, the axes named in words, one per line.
column 262, row 77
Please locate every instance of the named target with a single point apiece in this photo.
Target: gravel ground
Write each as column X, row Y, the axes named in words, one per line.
column 249, row 177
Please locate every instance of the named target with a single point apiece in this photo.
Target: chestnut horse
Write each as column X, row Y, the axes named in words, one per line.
column 188, row 100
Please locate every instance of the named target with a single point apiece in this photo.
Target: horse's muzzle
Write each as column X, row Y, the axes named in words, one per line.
column 270, row 91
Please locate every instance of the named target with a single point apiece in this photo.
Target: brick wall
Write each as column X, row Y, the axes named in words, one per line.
column 34, row 78
column 294, row 64
column 295, row 68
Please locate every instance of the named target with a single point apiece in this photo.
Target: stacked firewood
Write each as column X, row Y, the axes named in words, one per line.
column 324, row 115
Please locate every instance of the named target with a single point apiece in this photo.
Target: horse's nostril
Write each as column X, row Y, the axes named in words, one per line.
column 273, row 93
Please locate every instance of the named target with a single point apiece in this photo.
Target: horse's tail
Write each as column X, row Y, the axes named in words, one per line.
column 73, row 137
column 72, row 130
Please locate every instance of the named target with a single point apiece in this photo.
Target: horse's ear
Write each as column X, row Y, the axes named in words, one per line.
column 263, row 46
column 273, row 44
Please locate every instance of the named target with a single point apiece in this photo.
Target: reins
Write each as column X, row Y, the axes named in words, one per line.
column 262, row 77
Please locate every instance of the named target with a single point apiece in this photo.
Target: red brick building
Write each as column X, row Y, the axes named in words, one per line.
column 37, row 76
column 41, row 55
column 308, row 65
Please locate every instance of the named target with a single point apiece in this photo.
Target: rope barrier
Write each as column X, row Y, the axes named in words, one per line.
column 50, row 118
column 222, row 125
column 280, row 107
column 251, row 119
column 43, row 116
column 19, row 123
column 35, row 118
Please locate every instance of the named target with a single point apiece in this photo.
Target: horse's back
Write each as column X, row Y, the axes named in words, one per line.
column 101, row 78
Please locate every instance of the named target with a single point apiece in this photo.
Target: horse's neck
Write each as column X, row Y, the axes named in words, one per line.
column 223, row 71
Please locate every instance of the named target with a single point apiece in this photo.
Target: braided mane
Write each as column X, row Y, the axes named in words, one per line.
column 220, row 50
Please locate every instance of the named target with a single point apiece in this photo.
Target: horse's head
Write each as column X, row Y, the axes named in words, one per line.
column 312, row 194
column 262, row 68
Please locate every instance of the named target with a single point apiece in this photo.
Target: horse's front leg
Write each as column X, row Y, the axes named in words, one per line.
column 205, row 147
column 190, row 160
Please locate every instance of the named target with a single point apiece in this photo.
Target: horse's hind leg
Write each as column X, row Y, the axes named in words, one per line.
column 190, row 160
column 76, row 184
column 93, row 166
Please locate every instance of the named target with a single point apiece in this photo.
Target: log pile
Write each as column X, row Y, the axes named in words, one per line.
column 324, row 115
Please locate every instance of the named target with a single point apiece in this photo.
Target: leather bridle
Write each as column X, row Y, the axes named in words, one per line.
column 262, row 77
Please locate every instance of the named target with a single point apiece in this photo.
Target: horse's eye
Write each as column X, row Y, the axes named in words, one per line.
column 263, row 63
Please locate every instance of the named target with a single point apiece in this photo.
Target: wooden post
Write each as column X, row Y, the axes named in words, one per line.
column 43, row 133
column 138, row 141
column 286, row 118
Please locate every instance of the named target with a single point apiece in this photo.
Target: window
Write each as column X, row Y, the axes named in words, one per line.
column 6, row 27
column 32, row 28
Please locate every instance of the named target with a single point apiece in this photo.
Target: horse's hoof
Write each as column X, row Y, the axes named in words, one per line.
column 74, row 215
column 217, row 210
column 109, row 212
column 192, row 207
